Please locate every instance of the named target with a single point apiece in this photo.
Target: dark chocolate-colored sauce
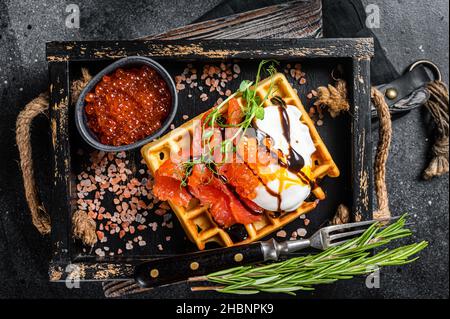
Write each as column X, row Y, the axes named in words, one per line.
column 294, row 161
column 232, row 189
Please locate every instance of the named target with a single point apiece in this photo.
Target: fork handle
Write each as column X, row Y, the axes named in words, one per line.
column 173, row 269
column 273, row 249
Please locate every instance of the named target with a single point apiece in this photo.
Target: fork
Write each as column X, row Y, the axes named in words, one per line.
column 177, row 268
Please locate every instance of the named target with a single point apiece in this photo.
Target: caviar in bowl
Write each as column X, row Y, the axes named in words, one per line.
column 126, row 105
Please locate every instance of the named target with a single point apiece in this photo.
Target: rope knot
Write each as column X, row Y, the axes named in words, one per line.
column 334, row 97
column 84, row 228
column 437, row 105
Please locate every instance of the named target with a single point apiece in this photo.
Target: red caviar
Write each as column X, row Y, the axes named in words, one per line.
column 128, row 105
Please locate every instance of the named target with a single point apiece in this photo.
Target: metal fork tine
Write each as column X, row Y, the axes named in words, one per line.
column 346, row 234
column 329, row 229
column 339, row 243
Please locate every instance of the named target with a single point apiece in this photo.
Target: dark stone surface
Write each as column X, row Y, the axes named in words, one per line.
column 409, row 30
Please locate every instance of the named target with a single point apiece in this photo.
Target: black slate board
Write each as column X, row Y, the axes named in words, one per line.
column 347, row 137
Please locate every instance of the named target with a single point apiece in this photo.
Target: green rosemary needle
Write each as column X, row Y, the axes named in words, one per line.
column 350, row 259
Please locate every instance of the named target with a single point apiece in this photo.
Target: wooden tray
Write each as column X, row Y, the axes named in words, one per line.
column 347, row 137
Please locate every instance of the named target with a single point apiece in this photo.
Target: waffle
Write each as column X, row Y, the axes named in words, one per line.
column 197, row 222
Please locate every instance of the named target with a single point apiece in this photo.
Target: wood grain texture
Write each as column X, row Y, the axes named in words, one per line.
column 60, row 198
column 362, row 179
column 296, row 19
column 211, row 49
column 79, row 271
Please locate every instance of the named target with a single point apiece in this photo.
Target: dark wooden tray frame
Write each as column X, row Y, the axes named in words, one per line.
column 60, row 54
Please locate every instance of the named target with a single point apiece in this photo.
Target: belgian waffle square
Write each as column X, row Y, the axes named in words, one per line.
column 196, row 221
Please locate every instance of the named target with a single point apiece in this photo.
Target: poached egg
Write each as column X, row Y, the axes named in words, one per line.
column 283, row 189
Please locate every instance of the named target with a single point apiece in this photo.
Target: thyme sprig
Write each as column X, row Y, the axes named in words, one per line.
column 341, row 262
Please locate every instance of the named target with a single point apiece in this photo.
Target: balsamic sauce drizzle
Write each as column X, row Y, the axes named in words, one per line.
column 232, row 189
column 295, row 162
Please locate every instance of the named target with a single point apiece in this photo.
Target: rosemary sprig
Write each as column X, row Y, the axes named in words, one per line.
column 341, row 262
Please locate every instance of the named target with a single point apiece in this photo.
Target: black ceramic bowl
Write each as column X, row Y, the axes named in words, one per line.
column 128, row 62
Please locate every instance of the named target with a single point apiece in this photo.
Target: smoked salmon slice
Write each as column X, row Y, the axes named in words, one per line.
column 241, row 177
column 202, row 185
column 235, row 113
column 168, row 184
column 225, row 207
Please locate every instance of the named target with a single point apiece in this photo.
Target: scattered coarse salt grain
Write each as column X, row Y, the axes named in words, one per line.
column 141, row 227
column 306, row 222
column 302, row 216
column 109, row 172
column 99, row 252
column 185, row 117
column 160, row 211
column 142, row 243
column 292, row 72
column 164, row 205
column 129, row 246
column 281, row 233
column 153, row 225
column 301, row 232
column 180, row 87
column 203, row 97
column 168, row 238
column 160, row 247
column 214, row 77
